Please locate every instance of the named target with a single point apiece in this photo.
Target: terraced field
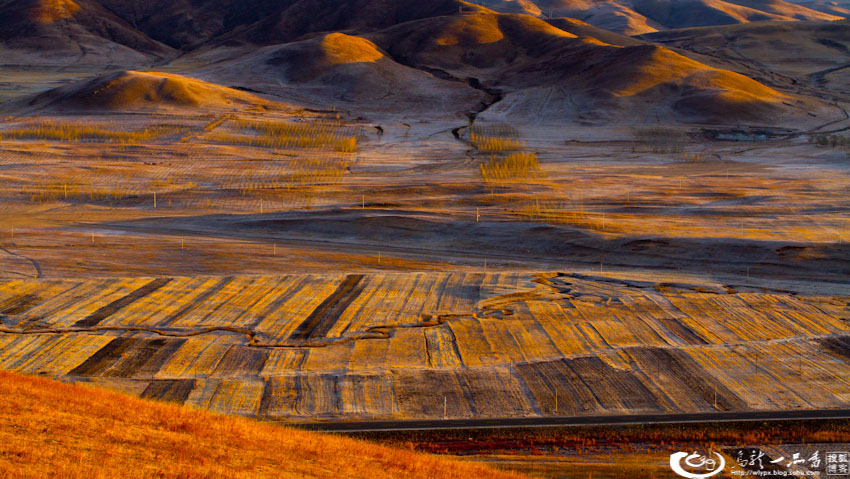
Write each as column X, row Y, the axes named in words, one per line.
column 408, row 345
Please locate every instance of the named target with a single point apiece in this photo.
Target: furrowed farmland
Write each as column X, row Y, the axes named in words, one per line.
column 418, row 345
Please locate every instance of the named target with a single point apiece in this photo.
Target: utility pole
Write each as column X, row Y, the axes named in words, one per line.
column 477, row 215
column 445, row 408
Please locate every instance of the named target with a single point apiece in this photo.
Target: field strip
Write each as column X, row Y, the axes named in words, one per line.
column 322, row 319
column 111, row 308
column 374, row 332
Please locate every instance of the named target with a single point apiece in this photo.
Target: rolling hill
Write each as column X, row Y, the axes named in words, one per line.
column 53, row 429
column 644, row 16
column 336, row 68
column 80, row 32
column 505, row 64
column 448, row 57
column 188, row 25
column 134, row 91
column 546, row 72
column 812, row 54
column 841, row 9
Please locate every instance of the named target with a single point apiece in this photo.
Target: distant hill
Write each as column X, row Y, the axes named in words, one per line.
column 839, row 8
column 544, row 72
column 788, row 54
column 53, row 429
column 131, row 32
column 584, row 29
column 338, row 68
column 444, row 56
column 64, row 32
column 190, row 24
column 130, row 90
column 634, row 17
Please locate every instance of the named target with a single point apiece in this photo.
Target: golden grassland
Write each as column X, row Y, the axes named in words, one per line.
column 139, row 177
column 495, row 144
column 344, row 145
column 495, row 138
column 75, row 132
column 52, row 429
column 513, row 166
column 289, row 135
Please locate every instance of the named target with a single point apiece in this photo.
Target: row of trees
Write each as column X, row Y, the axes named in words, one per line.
column 832, row 141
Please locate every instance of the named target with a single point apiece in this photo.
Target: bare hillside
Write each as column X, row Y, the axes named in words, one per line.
column 130, row 90
column 51, row 429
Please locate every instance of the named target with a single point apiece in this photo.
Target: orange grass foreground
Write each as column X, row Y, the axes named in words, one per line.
column 58, row 430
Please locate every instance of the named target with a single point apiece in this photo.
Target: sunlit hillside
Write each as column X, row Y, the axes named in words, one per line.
column 52, row 429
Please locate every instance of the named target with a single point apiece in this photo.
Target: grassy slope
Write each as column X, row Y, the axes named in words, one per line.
column 52, row 429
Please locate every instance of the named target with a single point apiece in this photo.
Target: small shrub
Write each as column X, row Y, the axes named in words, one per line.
column 495, row 144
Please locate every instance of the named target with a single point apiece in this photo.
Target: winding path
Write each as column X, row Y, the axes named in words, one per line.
column 34, row 263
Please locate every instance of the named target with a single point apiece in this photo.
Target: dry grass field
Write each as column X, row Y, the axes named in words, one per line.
column 340, row 195
column 51, row 429
column 296, row 266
